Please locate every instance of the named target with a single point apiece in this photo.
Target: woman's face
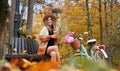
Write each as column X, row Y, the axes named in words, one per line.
column 49, row 21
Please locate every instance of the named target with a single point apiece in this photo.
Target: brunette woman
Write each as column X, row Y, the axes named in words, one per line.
column 48, row 37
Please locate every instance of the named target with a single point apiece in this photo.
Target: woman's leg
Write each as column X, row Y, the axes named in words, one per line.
column 53, row 55
column 54, row 52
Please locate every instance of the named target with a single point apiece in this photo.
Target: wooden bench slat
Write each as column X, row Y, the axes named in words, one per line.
column 19, row 46
column 30, row 48
column 26, row 46
column 23, row 46
column 34, row 57
column 10, row 49
column 33, row 48
column 36, row 46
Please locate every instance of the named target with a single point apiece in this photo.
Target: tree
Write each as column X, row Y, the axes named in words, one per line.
column 88, row 19
column 12, row 12
column 3, row 17
column 30, row 16
column 111, row 23
column 100, row 19
column 106, row 19
column 106, row 24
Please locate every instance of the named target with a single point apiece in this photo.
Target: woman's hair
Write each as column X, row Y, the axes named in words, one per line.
column 54, row 19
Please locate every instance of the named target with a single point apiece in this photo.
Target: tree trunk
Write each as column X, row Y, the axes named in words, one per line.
column 100, row 19
column 88, row 20
column 3, row 16
column 106, row 26
column 106, row 21
column 30, row 16
column 110, row 41
column 1, row 44
column 12, row 12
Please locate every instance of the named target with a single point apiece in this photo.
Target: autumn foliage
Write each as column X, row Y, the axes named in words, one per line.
column 26, row 65
column 44, row 66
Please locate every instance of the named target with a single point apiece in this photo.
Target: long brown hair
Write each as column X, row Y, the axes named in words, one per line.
column 53, row 27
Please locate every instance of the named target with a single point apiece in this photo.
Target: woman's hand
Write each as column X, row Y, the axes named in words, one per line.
column 54, row 36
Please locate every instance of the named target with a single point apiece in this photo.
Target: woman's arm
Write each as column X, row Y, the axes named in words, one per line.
column 44, row 38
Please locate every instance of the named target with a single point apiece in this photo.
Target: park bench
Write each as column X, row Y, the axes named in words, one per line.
column 23, row 48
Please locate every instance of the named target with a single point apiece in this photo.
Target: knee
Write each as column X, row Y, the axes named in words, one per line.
column 53, row 54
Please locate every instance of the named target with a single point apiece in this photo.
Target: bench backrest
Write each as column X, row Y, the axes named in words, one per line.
column 23, row 48
column 23, row 45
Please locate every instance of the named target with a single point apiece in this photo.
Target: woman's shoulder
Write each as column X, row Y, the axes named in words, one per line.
column 44, row 31
column 44, row 28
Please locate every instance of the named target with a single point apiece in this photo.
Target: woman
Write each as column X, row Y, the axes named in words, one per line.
column 48, row 37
